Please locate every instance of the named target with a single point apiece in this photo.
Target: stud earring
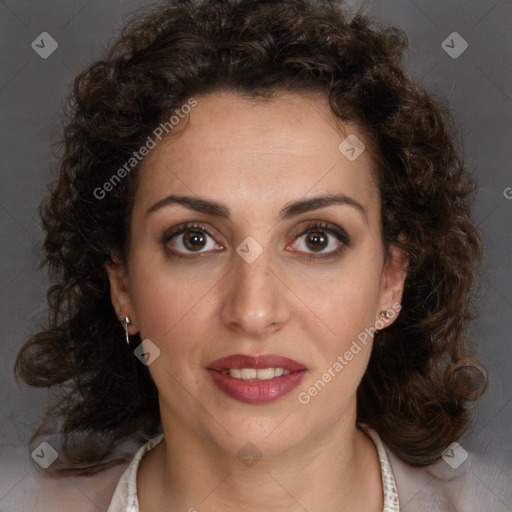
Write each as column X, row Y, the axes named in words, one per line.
column 385, row 314
column 126, row 321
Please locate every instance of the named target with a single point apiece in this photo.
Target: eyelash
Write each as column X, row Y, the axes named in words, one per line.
column 323, row 227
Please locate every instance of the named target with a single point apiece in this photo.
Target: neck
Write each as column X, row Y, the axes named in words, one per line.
column 185, row 472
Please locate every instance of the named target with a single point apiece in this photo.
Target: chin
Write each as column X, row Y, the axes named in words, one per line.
column 268, row 437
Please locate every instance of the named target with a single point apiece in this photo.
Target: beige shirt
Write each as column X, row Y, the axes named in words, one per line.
column 125, row 495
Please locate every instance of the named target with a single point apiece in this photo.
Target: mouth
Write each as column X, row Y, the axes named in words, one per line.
column 261, row 379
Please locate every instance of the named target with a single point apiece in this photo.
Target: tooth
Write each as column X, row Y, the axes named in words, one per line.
column 265, row 373
column 248, row 373
column 255, row 374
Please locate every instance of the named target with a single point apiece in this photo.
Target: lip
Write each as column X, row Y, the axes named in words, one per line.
column 257, row 362
column 256, row 391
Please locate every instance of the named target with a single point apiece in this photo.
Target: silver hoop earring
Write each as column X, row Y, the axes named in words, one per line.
column 126, row 321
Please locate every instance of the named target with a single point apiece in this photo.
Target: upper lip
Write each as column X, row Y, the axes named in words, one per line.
column 257, row 362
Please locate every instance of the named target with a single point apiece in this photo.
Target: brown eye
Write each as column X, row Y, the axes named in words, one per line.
column 188, row 239
column 193, row 240
column 316, row 241
column 322, row 240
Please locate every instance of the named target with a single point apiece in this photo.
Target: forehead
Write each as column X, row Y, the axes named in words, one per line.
column 235, row 150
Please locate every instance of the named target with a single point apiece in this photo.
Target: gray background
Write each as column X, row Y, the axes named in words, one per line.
column 32, row 91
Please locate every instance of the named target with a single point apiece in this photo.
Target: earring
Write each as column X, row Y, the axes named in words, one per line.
column 385, row 314
column 126, row 321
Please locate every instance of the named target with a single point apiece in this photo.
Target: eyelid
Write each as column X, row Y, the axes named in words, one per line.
column 183, row 227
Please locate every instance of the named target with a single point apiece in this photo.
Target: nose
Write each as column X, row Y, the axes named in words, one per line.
column 256, row 299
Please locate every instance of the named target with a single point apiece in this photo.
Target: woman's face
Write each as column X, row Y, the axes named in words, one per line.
column 249, row 280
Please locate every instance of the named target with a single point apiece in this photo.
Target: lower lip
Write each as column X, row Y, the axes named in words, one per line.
column 257, row 391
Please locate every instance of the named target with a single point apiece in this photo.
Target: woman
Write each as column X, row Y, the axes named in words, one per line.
column 264, row 258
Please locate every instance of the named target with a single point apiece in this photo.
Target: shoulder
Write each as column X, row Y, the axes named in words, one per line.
column 459, row 482
column 26, row 488
column 125, row 494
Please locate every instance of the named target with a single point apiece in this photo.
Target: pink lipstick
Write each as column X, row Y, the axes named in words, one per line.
column 256, row 380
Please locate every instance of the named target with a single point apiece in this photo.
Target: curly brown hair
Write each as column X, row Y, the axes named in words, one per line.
column 421, row 374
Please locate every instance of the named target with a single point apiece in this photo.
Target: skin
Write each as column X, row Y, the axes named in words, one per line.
column 254, row 157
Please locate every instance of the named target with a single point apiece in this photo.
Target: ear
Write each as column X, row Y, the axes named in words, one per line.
column 120, row 292
column 392, row 285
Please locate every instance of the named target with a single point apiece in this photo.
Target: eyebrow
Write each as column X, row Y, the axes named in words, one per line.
column 291, row 209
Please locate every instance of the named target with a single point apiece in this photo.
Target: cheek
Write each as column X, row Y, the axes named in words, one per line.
column 163, row 302
column 169, row 314
column 338, row 325
column 174, row 308
column 347, row 296
column 340, row 336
